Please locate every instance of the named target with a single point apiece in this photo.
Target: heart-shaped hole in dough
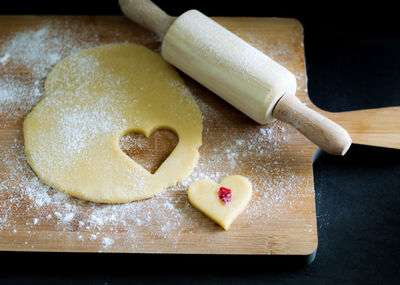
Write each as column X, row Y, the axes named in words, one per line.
column 149, row 152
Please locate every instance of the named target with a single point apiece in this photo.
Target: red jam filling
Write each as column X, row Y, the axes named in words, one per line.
column 225, row 195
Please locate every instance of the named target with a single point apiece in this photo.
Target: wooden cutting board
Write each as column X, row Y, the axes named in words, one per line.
column 280, row 218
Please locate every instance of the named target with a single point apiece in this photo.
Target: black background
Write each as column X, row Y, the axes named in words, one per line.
column 352, row 58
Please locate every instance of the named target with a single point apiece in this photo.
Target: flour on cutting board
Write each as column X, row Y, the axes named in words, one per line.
column 27, row 204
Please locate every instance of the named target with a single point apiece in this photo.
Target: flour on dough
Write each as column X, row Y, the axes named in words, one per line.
column 95, row 97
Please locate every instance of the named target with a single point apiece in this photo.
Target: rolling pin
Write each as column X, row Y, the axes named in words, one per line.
column 236, row 71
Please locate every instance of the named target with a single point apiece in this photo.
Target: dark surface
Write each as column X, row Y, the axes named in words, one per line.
column 352, row 63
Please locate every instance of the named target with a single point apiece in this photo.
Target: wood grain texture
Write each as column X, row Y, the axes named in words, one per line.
column 285, row 223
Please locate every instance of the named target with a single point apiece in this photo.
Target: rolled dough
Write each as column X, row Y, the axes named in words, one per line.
column 93, row 98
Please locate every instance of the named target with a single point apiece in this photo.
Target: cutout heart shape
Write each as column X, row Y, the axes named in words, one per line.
column 204, row 195
column 149, row 152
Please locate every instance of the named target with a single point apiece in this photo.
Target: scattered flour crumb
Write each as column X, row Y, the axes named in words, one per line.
column 106, row 241
column 68, row 217
column 93, row 237
column 95, row 220
column 4, row 59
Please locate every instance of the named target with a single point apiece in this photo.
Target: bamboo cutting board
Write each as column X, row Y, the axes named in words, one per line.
column 280, row 218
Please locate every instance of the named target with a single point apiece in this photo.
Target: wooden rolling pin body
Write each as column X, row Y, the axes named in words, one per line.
column 236, row 71
column 227, row 65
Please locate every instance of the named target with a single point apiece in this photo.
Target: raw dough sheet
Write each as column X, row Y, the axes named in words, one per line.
column 92, row 99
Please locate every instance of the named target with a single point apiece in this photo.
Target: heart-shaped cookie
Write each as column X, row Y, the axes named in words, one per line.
column 217, row 202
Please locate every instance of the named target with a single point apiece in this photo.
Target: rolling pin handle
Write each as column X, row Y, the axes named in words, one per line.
column 322, row 131
column 148, row 15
